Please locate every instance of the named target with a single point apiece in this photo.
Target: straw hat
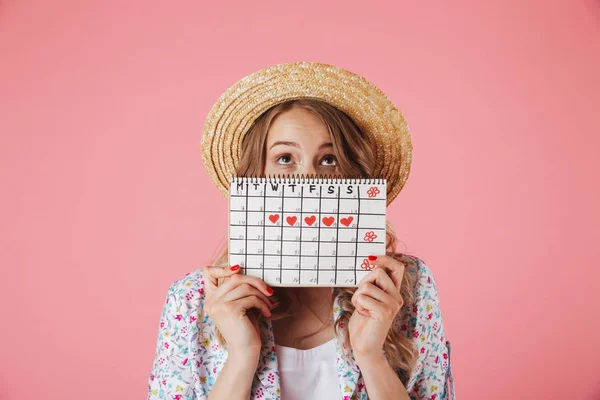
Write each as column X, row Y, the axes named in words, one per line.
column 376, row 116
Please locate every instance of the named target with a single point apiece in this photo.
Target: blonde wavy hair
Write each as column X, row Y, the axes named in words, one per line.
column 355, row 159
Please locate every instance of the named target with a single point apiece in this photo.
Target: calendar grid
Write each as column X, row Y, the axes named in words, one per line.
column 338, row 243
column 281, row 237
column 300, row 249
column 295, row 241
column 245, row 269
column 357, row 225
column 264, row 233
column 337, row 233
column 258, row 211
column 305, row 255
column 309, row 227
column 319, row 234
column 240, row 195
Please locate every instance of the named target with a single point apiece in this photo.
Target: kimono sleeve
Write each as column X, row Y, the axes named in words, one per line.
column 432, row 376
column 171, row 376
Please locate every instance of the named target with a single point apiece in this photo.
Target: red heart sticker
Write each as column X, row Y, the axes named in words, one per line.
column 273, row 217
column 328, row 220
column 291, row 220
column 310, row 220
column 346, row 221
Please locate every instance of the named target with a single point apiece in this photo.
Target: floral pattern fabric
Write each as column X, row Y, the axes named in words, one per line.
column 188, row 358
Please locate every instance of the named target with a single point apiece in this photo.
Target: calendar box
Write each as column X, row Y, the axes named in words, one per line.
column 306, row 232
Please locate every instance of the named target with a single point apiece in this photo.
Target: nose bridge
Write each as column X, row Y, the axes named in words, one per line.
column 307, row 168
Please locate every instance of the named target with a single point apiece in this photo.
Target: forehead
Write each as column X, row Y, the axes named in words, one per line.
column 297, row 124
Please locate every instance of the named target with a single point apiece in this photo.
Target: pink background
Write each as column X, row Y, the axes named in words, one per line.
column 105, row 200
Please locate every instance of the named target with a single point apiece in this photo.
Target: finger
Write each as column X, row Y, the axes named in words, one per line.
column 363, row 312
column 357, row 306
column 369, row 289
column 370, row 277
column 247, row 303
column 237, row 280
column 390, row 303
column 245, row 290
column 372, row 306
column 380, row 278
column 212, row 275
column 395, row 267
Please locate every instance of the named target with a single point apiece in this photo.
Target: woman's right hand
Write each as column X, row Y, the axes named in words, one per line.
column 233, row 307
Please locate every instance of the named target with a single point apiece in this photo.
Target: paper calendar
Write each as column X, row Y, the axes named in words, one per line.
column 296, row 231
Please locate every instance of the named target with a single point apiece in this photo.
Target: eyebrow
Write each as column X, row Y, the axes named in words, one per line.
column 294, row 144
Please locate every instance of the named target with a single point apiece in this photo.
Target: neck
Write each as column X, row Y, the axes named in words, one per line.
column 312, row 324
column 314, row 300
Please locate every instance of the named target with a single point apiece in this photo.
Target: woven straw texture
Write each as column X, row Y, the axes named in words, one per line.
column 235, row 111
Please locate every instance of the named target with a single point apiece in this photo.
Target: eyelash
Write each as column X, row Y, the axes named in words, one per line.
column 332, row 156
column 281, row 156
column 290, row 156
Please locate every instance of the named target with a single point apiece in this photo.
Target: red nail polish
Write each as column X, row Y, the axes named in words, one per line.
column 235, row 267
column 269, row 290
column 372, row 258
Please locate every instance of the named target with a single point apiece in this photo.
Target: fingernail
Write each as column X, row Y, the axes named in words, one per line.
column 272, row 302
column 372, row 258
column 235, row 267
column 269, row 290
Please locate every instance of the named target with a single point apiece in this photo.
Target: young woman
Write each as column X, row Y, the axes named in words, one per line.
column 226, row 335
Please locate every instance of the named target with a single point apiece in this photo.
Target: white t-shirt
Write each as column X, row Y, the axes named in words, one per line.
column 308, row 374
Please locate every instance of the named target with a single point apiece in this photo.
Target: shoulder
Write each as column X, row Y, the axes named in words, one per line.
column 422, row 323
column 419, row 270
column 412, row 263
column 424, row 296
column 421, row 316
column 174, row 371
column 186, row 294
column 193, row 280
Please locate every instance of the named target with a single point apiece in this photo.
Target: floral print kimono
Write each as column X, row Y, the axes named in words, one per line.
column 188, row 358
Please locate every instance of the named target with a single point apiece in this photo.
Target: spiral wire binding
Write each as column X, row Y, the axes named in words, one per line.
column 301, row 179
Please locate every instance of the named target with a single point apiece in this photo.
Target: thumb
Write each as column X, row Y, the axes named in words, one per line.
column 212, row 275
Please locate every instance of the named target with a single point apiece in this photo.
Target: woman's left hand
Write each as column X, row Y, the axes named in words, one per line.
column 377, row 301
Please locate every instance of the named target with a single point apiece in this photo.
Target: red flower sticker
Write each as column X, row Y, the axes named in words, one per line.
column 365, row 265
column 370, row 236
column 373, row 191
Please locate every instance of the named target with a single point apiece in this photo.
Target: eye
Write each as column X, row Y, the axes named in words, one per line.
column 286, row 158
column 329, row 160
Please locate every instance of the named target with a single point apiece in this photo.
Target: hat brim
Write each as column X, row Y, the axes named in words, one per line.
column 376, row 116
